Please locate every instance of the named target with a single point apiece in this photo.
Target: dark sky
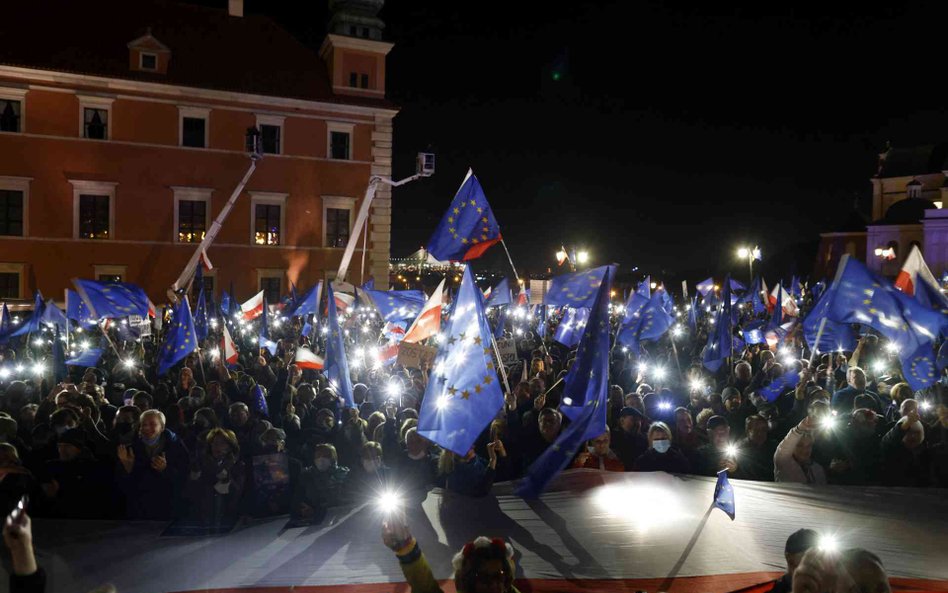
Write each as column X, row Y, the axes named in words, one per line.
column 673, row 134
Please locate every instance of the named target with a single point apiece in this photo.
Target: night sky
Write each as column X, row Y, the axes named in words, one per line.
column 653, row 134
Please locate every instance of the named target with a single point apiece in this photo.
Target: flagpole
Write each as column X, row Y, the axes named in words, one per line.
column 512, row 267
column 500, row 363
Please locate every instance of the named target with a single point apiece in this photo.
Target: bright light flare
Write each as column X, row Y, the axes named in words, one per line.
column 828, row 422
column 393, row 389
column 878, row 367
column 925, row 406
column 443, row 402
column 658, row 373
column 697, row 385
column 128, row 363
column 582, row 257
column 4, row 373
column 389, row 502
column 665, row 406
column 19, row 368
column 38, row 343
column 892, row 348
column 731, row 450
column 828, row 543
column 643, row 368
column 677, row 331
column 215, row 353
column 743, row 253
column 641, row 506
column 39, row 368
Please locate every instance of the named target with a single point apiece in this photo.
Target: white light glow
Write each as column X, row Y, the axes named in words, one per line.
column 892, row 348
column 39, row 368
column 389, row 502
column 641, row 506
column 731, row 451
column 443, row 402
column 215, row 353
column 128, row 363
column 643, row 368
column 828, row 543
column 828, row 422
column 85, row 344
column 567, row 401
column 393, row 389
column 664, row 406
column 878, row 367
column 4, row 373
column 19, row 368
column 658, row 372
column 925, row 406
column 697, row 385
column 38, row 343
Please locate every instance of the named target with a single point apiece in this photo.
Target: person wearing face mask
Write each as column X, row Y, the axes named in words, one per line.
column 370, row 475
column 124, row 425
column 661, row 456
column 152, row 470
column 216, row 480
column 416, row 467
column 319, row 486
column 599, row 456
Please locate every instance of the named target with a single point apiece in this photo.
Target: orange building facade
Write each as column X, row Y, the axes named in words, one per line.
column 116, row 172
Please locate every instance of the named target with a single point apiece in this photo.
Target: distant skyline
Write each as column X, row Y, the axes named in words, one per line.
column 653, row 135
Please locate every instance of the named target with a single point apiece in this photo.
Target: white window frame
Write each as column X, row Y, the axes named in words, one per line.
column 191, row 194
column 141, row 61
column 272, row 120
column 94, row 102
column 270, row 273
column 338, row 203
column 110, row 270
column 12, row 268
column 21, row 184
column 268, row 197
column 16, row 94
column 196, row 113
column 98, row 188
column 335, row 126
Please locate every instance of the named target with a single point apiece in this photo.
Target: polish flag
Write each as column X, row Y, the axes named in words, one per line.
column 913, row 271
column 206, row 261
column 522, row 297
column 228, row 348
column 789, row 305
column 305, row 359
column 152, row 310
column 343, row 301
column 254, row 307
column 428, row 322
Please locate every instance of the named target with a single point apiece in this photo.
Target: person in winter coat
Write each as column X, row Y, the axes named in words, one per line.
column 153, row 469
column 320, row 486
column 905, row 460
column 793, row 460
column 598, row 455
column 661, row 456
column 217, row 478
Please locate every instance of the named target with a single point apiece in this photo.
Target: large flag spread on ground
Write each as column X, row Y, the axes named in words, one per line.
column 705, row 286
column 772, row 390
column 428, row 322
column 724, row 494
column 578, row 289
column 112, row 299
column 583, row 400
column 308, row 304
column 463, row 393
column 720, row 340
column 916, row 279
column 253, row 308
column 835, row 337
column 200, row 316
column 570, row 330
column 651, row 324
column 228, row 348
column 859, row 296
column 337, row 366
column 468, row 228
column 88, row 358
column 305, row 359
column 397, row 305
column 179, row 339
column 501, row 295
column 263, row 339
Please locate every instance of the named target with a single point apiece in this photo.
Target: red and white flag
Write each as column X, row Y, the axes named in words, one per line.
column 254, row 307
column 428, row 322
column 789, row 305
column 914, row 271
column 152, row 310
column 206, row 261
column 228, row 348
column 343, row 301
column 305, row 359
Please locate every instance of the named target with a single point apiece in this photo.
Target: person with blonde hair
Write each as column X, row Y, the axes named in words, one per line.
column 661, row 456
column 217, row 478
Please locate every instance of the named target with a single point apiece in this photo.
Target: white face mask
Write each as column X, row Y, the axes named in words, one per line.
column 417, row 456
column 661, row 445
column 322, row 464
column 591, row 449
column 371, row 465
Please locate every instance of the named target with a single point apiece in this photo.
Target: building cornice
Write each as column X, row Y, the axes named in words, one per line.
column 355, row 43
column 179, row 92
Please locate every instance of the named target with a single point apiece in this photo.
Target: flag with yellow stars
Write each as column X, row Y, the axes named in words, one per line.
column 468, row 228
column 651, row 324
column 397, row 305
column 180, row 339
column 859, row 296
column 112, row 299
column 336, row 364
column 720, row 345
column 578, row 289
column 463, row 393
column 584, row 398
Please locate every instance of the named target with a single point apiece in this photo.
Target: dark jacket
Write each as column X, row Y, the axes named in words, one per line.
column 672, row 461
column 150, row 494
column 628, row 446
column 901, row 466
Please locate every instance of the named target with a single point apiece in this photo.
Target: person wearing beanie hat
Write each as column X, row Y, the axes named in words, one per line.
column 797, row 544
column 627, row 439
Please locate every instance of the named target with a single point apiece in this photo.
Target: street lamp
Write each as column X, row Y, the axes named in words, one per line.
column 750, row 255
column 582, row 257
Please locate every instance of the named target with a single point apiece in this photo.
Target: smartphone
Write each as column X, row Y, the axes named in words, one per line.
column 17, row 517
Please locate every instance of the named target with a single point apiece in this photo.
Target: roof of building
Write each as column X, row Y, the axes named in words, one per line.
column 209, row 48
column 907, row 211
column 916, row 160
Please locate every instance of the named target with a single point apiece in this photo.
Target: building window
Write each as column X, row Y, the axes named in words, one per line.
column 267, row 212
column 365, row 81
column 271, row 288
column 208, row 283
column 192, row 221
column 9, row 285
column 193, row 132
column 96, row 123
column 9, row 115
column 148, row 61
column 337, row 227
column 353, row 79
column 109, row 273
column 271, row 133
column 11, row 213
column 339, row 146
column 109, row 278
column 93, row 217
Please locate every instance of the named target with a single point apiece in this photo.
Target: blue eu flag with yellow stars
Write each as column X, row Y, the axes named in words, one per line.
column 112, row 299
column 835, row 337
column 463, row 393
column 200, row 316
column 180, row 339
column 651, row 324
column 570, row 330
column 724, row 495
column 336, row 364
column 859, row 296
column 397, row 305
column 578, row 289
column 501, row 295
column 583, row 401
column 308, row 304
column 263, row 339
column 31, row 325
column 637, row 301
column 468, row 228
column 720, row 343
column 772, row 390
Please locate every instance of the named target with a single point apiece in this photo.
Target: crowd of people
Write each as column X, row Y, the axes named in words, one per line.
column 211, row 443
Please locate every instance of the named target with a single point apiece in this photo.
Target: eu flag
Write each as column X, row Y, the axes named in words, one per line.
column 724, row 494
column 88, row 358
column 501, row 322
column 578, row 289
column 752, row 297
column 180, row 339
column 336, row 365
column 693, row 315
column 753, row 336
column 225, row 303
column 200, row 316
column 836, row 336
column 397, row 305
column 859, row 296
column 308, row 304
column 705, row 286
column 653, row 322
column 637, row 301
column 772, row 390
column 468, row 228
column 52, row 315
column 463, row 393
column 500, row 295
column 570, row 330
column 264, row 340
column 31, row 325
column 776, row 319
column 112, row 299
column 720, row 343
column 584, row 398
column 77, row 310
